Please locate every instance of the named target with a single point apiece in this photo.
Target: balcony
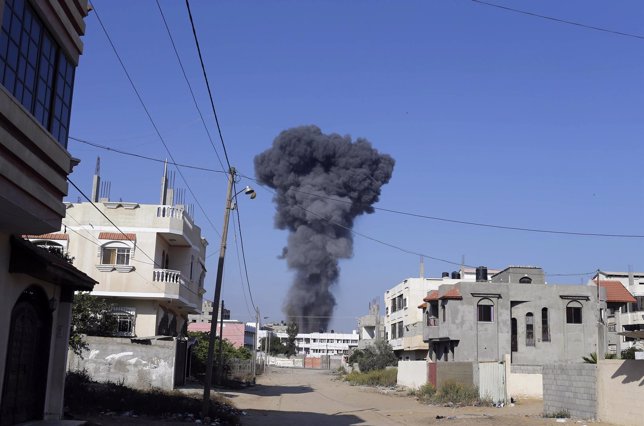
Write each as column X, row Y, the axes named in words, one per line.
column 632, row 318
column 173, row 283
column 168, row 276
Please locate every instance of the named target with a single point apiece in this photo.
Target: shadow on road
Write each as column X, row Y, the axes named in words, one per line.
column 285, row 418
column 272, row 390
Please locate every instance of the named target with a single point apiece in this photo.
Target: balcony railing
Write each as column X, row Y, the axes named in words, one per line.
column 168, row 276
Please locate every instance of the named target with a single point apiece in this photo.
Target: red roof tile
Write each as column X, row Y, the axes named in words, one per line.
column 433, row 295
column 422, row 305
column 616, row 292
column 453, row 293
column 47, row 237
column 116, row 236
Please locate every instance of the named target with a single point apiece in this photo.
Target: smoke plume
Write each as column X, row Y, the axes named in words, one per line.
column 322, row 183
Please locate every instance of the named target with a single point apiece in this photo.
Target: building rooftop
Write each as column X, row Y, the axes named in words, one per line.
column 452, row 294
column 616, row 292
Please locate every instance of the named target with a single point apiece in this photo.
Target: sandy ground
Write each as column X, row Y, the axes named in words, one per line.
column 286, row 397
column 311, row 397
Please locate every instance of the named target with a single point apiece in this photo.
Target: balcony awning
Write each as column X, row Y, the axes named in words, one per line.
column 637, row 334
column 29, row 259
column 116, row 236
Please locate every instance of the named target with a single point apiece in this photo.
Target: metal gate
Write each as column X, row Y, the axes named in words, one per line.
column 25, row 378
column 492, row 381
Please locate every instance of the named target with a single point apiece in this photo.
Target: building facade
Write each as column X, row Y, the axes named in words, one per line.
column 150, row 269
column 513, row 313
column 40, row 47
column 239, row 334
column 318, row 344
column 206, row 313
column 630, row 316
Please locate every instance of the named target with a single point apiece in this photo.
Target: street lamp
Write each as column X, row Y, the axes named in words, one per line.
column 220, row 271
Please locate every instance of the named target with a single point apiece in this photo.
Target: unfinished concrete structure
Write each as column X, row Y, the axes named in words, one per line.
column 515, row 313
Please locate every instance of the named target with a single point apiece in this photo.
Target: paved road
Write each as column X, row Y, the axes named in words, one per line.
column 313, row 397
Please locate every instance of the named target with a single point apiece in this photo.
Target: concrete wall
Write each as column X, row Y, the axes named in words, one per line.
column 412, row 374
column 460, row 372
column 524, row 381
column 140, row 366
column 572, row 388
column 620, row 391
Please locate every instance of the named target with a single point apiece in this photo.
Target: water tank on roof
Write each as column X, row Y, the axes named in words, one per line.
column 481, row 274
column 456, row 275
column 445, row 275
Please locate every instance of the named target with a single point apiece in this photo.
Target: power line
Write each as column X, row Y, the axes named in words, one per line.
column 384, row 209
column 205, row 76
column 562, row 21
column 241, row 277
column 194, row 99
column 243, row 251
column 144, row 157
column 147, row 112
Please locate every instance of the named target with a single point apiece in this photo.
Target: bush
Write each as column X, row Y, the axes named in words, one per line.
column 629, row 353
column 562, row 414
column 376, row 357
column 457, row 393
column 386, row 377
column 425, row 393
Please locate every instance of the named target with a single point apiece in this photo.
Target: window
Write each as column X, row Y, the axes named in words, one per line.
column 545, row 326
column 115, row 256
column 486, row 310
column 400, row 329
column 529, row 329
column 393, row 331
column 393, row 305
column 525, row 280
column 35, row 70
column 573, row 313
column 443, row 310
column 124, row 320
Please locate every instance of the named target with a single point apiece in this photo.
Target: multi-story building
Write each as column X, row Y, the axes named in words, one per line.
column 628, row 317
column 40, row 46
column 371, row 327
column 516, row 313
column 150, row 269
column 404, row 318
column 206, row 313
column 318, row 344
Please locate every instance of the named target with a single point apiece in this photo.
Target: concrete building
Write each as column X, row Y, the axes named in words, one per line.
column 371, row 327
column 40, row 47
column 206, row 313
column 513, row 313
column 403, row 322
column 318, row 344
column 152, row 272
column 630, row 316
column 236, row 332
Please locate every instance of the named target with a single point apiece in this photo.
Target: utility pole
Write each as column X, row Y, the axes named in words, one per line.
column 220, row 369
column 255, row 342
column 215, row 309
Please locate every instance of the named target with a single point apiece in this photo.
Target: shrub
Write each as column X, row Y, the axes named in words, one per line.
column 386, row 377
column 629, row 353
column 425, row 393
column 456, row 393
column 376, row 357
column 561, row 414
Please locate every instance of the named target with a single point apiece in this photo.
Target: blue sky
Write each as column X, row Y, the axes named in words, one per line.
column 491, row 116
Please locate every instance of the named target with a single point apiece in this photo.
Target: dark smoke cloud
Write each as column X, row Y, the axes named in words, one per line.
column 305, row 161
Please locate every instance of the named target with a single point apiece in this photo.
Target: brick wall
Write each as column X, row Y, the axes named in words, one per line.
column 572, row 388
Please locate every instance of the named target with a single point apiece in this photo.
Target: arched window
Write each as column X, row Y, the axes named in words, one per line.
column 573, row 312
column 525, row 280
column 485, row 310
column 545, row 325
column 116, row 255
column 529, row 329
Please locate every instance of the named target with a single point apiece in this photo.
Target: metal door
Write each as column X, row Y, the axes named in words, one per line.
column 492, row 381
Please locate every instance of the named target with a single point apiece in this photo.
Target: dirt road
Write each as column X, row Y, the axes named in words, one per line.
column 312, row 397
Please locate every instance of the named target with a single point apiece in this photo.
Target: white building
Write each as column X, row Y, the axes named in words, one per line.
column 152, row 272
column 404, row 318
column 629, row 317
column 318, row 344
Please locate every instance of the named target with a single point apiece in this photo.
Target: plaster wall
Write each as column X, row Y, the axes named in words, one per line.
column 141, row 366
column 620, row 391
column 412, row 374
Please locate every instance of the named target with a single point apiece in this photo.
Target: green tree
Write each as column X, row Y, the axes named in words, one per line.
column 92, row 316
column 291, row 331
column 377, row 357
column 200, row 352
column 276, row 346
column 629, row 353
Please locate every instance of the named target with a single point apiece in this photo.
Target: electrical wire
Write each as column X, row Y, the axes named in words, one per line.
column 147, row 112
column 185, row 76
column 562, row 21
column 417, row 215
column 205, row 76
column 243, row 251
column 239, row 265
